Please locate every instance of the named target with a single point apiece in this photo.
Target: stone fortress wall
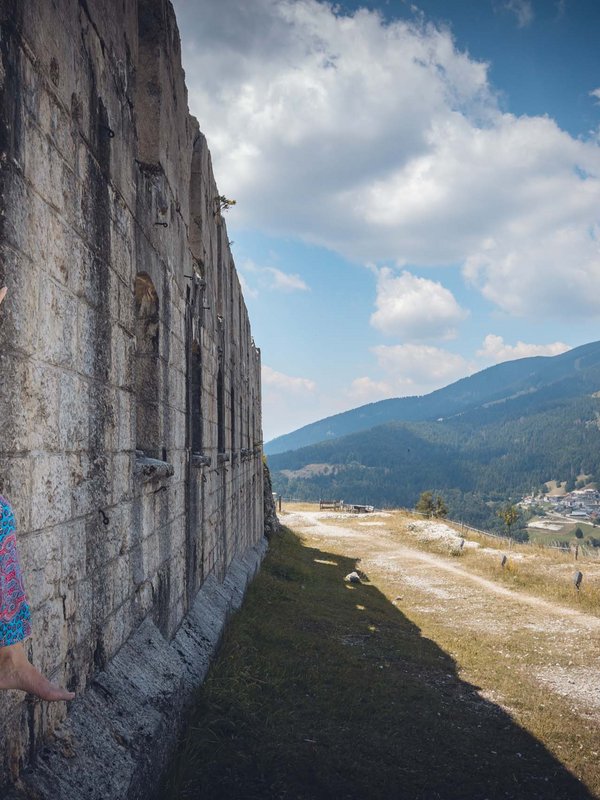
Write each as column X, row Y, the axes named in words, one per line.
column 130, row 435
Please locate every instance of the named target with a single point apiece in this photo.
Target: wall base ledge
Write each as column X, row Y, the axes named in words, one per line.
column 119, row 735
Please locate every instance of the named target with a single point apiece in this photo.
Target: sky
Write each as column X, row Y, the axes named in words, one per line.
column 417, row 186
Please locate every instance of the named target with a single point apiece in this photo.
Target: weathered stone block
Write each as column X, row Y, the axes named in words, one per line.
column 50, row 494
column 21, row 304
column 73, row 412
column 57, row 329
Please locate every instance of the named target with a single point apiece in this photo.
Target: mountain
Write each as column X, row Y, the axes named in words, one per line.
column 485, row 443
column 494, row 384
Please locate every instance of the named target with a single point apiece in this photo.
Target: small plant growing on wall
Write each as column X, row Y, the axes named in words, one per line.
column 223, row 203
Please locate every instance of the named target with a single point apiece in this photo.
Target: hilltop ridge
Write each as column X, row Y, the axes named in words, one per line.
column 493, row 384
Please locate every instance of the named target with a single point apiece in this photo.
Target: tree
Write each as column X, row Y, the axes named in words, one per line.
column 431, row 506
column 509, row 515
column 440, row 507
column 578, row 533
column 425, row 504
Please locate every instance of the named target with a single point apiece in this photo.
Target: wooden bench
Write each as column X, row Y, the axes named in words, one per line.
column 334, row 505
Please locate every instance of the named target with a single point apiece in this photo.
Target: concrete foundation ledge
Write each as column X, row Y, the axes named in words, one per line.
column 119, row 735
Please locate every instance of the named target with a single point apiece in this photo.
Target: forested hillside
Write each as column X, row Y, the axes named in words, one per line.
column 579, row 367
column 477, row 459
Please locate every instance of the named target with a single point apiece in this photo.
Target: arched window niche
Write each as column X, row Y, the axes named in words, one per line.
column 147, row 332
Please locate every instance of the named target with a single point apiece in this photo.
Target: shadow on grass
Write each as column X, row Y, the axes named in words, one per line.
column 324, row 689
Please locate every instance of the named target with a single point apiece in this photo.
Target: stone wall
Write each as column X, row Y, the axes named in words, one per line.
column 130, row 436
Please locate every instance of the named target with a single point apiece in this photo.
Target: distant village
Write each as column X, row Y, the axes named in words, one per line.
column 580, row 505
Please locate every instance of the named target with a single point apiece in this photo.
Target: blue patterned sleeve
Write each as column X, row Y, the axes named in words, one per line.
column 15, row 616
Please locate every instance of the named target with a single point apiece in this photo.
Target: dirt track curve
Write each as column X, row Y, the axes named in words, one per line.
column 557, row 646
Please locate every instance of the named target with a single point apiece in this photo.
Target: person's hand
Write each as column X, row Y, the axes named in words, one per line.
column 3, row 292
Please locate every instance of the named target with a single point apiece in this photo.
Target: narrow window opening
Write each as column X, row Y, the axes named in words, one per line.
column 220, row 412
column 233, row 419
column 248, row 440
column 146, row 381
column 220, row 269
column 196, row 404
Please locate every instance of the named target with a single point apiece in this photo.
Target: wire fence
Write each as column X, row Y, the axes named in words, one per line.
column 577, row 549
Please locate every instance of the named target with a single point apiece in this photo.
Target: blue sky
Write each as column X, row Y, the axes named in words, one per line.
column 417, row 186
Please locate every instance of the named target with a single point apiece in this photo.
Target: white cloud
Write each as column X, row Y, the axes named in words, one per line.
column 286, row 383
column 415, row 308
column 385, row 143
column 596, row 93
column 558, row 274
column 272, row 278
column 365, row 390
column 286, row 282
column 418, row 369
column 495, row 350
column 302, row 106
column 288, row 402
column 523, row 11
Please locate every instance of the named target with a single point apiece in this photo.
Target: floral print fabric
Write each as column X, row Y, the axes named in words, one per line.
column 15, row 616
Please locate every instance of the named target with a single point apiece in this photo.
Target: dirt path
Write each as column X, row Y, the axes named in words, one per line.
column 309, row 522
column 406, row 555
column 556, row 647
